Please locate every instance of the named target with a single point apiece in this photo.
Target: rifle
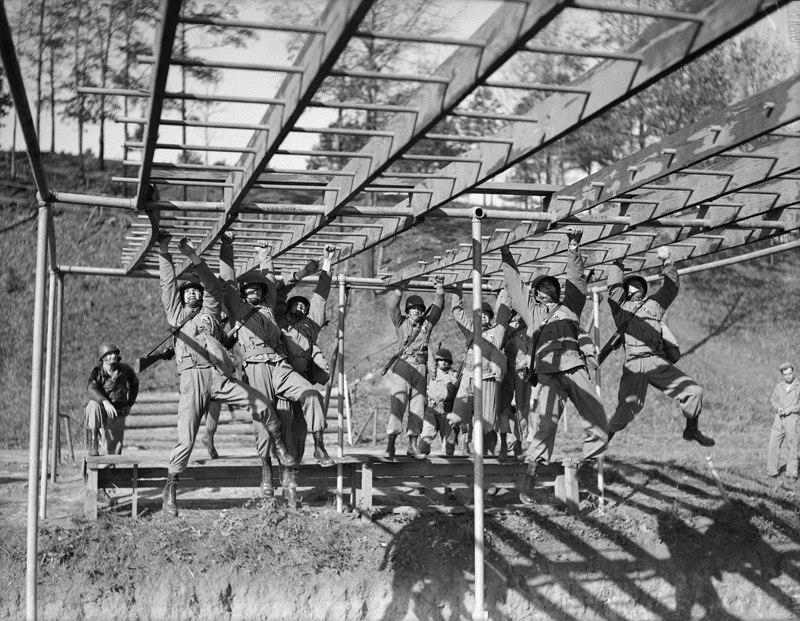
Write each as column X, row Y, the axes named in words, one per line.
column 618, row 338
column 150, row 358
column 411, row 338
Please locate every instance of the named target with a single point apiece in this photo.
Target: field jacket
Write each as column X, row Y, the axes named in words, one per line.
column 415, row 352
column 786, row 397
column 494, row 360
column 120, row 387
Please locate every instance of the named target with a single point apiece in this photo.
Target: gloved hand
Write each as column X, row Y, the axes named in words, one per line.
column 312, row 267
column 453, row 419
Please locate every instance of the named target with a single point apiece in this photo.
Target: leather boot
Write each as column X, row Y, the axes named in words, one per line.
column 94, row 442
column 413, row 449
column 693, row 433
column 516, row 448
column 489, row 442
column 450, row 449
column 390, row 448
column 267, row 488
column 528, row 486
column 281, row 452
column 289, row 485
column 320, row 454
column 169, row 504
column 423, row 448
column 208, row 442
column 503, row 452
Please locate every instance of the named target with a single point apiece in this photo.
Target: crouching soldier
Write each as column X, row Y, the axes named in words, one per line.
column 442, row 388
column 113, row 388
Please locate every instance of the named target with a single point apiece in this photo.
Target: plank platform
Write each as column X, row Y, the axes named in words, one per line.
column 362, row 475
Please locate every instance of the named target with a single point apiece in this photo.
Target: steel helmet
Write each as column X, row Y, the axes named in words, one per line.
column 106, row 348
column 298, row 298
column 253, row 278
column 540, row 279
column 637, row 281
column 486, row 307
column 191, row 281
column 414, row 300
column 443, row 354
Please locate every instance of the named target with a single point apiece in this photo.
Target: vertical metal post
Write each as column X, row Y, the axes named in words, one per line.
column 596, row 334
column 35, row 417
column 56, row 448
column 46, row 400
column 340, row 410
column 478, row 613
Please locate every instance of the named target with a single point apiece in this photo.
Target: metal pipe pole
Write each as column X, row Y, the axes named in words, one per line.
column 56, row 448
column 48, row 386
column 340, row 409
column 596, row 330
column 35, row 415
column 478, row 613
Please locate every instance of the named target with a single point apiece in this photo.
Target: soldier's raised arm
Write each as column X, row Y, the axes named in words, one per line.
column 170, row 297
column 395, row 295
column 435, row 311
column 463, row 319
column 519, row 297
column 668, row 291
column 319, row 298
column 575, row 287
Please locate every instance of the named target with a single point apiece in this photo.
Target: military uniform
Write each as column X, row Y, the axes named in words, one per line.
column 120, row 387
column 442, row 388
column 785, row 400
column 515, row 392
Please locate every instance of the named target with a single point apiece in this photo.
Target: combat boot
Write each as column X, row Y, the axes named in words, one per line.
column 503, row 452
column 208, row 442
column 281, row 452
column 169, row 504
column 423, row 448
column 320, row 454
column 289, row 485
column 267, row 488
column 450, row 449
column 489, row 442
column 528, row 486
column 94, row 442
column 390, row 448
column 413, row 449
column 693, row 433
column 516, row 448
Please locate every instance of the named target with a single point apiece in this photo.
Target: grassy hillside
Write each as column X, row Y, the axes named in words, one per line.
column 735, row 324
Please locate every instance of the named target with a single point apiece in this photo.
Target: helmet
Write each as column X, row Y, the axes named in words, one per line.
column 106, row 348
column 486, row 307
column 414, row 300
column 191, row 281
column 443, row 354
column 298, row 298
column 542, row 278
column 253, row 278
column 637, row 281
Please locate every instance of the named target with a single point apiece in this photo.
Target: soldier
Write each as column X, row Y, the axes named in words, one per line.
column 515, row 393
column 408, row 381
column 301, row 320
column 205, row 369
column 493, row 366
column 113, row 388
column 639, row 319
column 265, row 361
column 442, row 387
column 785, row 400
column 559, row 361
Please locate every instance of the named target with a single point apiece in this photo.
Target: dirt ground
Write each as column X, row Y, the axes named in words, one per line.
column 663, row 545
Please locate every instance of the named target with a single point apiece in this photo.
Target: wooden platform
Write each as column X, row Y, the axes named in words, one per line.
column 363, row 475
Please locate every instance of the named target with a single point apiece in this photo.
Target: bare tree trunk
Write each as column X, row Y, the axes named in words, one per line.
column 39, row 67
column 52, row 102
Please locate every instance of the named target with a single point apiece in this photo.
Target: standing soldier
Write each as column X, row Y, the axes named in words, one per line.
column 408, row 382
column 113, row 388
column 205, row 370
column 442, row 387
column 515, row 394
column 559, row 362
column 639, row 319
column 493, row 366
column 785, row 400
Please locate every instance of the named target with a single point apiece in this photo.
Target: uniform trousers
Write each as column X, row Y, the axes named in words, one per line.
column 575, row 385
column 409, row 386
column 96, row 419
column 198, row 386
column 515, row 398
column 638, row 373
column 465, row 398
column 784, row 428
column 436, row 423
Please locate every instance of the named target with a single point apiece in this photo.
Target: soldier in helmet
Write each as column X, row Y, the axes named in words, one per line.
column 113, row 388
column 205, row 369
column 515, row 394
column 640, row 319
column 442, row 387
column 408, row 382
column 560, row 361
column 493, row 366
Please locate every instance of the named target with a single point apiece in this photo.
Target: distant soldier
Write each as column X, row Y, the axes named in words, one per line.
column 442, row 388
column 785, row 400
column 113, row 388
column 639, row 319
column 408, row 382
column 493, row 366
column 205, row 370
column 560, row 363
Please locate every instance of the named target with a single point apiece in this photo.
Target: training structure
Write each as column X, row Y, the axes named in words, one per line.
column 710, row 188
